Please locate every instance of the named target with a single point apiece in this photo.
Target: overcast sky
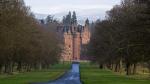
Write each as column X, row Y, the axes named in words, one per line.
column 92, row 9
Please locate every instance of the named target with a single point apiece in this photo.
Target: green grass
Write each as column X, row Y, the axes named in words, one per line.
column 35, row 76
column 92, row 75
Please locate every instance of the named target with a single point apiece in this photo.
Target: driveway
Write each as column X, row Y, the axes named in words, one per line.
column 71, row 77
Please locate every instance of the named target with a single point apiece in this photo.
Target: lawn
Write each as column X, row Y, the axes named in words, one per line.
column 92, row 75
column 35, row 76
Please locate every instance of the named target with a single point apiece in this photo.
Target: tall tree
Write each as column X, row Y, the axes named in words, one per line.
column 74, row 18
column 87, row 22
column 127, row 31
column 24, row 44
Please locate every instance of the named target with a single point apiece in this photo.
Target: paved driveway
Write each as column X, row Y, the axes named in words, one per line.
column 71, row 77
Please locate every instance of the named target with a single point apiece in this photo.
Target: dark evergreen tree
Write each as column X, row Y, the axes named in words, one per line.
column 49, row 19
column 64, row 20
column 87, row 22
column 69, row 18
column 74, row 18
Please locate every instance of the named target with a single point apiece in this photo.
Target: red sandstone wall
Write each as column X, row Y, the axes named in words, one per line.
column 86, row 35
column 72, row 44
column 68, row 47
column 76, row 46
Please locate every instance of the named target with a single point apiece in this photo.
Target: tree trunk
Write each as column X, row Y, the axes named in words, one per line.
column 149, row 71
column 19, row 67
column 105, row 66
column 149, row 67
column 40, row 66
column 28, row 68
column 128, row 69
column 117, row 67
column 1, row 69
column 120, row 66
column 8, row 68
column 113, row 67
column 134, row 68
column 101, row 66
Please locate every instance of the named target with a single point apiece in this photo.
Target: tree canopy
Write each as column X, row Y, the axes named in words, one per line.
column 24, row 42
column 122, row 39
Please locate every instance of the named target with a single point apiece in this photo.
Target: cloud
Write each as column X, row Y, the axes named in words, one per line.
column 84, row 8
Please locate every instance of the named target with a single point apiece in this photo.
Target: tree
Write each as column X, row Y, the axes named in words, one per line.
column 70, row 19
column 87, row 22
column 49, row 19
column 123, row 37
column 67, row 19
column 74, row 18
column 25, row 43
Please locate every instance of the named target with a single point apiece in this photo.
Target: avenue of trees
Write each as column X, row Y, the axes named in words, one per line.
column 122, row 40
column 25, row 44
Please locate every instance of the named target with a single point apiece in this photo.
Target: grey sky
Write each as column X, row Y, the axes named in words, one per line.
column 92, row 9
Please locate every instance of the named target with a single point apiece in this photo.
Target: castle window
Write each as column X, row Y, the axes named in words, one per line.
column 69, row 46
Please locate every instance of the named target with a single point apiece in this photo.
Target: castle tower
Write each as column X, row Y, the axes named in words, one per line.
column 86, row 34
column 76, row 45
column 68, row 46
column 75, row 37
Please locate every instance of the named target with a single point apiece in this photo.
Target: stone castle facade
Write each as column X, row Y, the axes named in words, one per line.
column 73, row 38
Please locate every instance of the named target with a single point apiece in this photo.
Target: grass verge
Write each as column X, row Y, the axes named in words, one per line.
column 92, row 75
column 35, row 76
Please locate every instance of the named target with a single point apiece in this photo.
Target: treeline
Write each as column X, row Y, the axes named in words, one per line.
column 25, row 44
column 122, row 40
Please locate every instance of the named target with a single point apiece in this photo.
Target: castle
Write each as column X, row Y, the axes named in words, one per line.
column 73, row 37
